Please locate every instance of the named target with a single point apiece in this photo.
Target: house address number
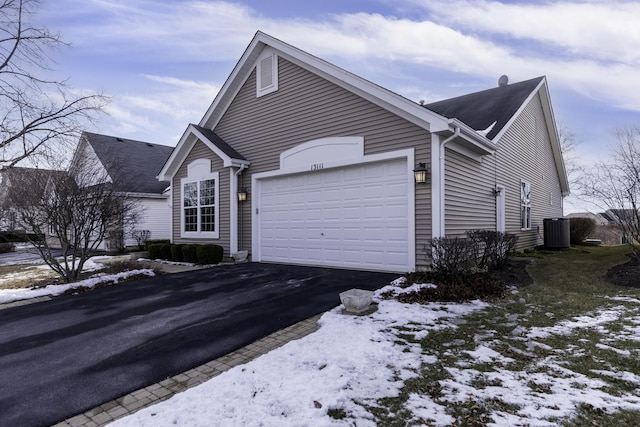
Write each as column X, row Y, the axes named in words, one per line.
column 317, row 166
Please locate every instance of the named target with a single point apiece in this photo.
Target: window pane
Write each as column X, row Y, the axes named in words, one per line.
column 190, row 194
column 207, row 192
column 191, row 219
column 207, row 219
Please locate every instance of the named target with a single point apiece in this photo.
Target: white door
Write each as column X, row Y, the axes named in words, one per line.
column 352, row 217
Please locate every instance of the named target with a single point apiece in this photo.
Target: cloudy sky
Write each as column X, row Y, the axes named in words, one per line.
column 162, row 62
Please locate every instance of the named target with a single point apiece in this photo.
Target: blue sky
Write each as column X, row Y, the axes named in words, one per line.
column 162, row 62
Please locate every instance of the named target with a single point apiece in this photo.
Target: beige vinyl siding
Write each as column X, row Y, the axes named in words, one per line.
column 524, row 153
column 201, row 151
column 469, row 200
column 308, row 107
column 533, row 163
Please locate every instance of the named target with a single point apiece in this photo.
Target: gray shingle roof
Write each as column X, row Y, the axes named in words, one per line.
column 219, row 142
column 133, row 165
column 480, row 110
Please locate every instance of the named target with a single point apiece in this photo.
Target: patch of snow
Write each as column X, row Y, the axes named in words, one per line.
column 608, row 347
column 11, row 295
column 566, row 327
column 349, row 359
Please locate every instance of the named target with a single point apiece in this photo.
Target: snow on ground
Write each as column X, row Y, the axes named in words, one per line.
column 336, row 375
column 92, row 264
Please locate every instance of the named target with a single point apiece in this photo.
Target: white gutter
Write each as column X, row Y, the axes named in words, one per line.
column 233, row 237
column 441, row 198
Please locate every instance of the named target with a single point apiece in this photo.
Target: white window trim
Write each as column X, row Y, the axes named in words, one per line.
column 525, row 204
column 200, row 170
column 261, row 91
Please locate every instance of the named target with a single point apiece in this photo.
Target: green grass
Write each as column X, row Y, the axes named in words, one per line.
column 567, row 284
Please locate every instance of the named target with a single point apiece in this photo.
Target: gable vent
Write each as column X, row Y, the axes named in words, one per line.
column 266, row 72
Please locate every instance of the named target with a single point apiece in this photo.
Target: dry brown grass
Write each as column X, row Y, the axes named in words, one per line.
column 24, row 275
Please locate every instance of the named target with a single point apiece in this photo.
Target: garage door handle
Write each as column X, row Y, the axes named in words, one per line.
column 322, row 234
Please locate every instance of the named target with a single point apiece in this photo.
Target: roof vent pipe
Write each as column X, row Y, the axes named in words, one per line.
column 503, row 80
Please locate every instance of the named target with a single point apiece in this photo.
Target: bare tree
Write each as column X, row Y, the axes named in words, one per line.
column 35, row 112
column 615, row 185
column 75, row 210
column 568, row 145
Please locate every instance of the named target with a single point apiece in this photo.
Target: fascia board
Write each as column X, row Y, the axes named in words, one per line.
column 556, row 148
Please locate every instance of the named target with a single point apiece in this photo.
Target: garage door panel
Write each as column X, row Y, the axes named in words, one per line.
column 354, row 217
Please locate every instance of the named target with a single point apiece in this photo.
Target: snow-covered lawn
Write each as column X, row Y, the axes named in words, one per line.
column 435, row 364
column 39, row 272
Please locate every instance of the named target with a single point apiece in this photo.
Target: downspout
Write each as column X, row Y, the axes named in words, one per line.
column 456, row 134
column 234, row 238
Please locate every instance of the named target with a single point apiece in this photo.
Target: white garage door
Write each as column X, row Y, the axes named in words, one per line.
column 353, row 217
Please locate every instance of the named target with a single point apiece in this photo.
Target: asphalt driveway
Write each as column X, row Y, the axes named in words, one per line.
column 62, row 357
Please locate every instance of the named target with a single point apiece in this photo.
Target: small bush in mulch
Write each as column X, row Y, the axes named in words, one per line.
column 489, row 285
column 165, row 250
column 155, row 251
column 627, row 274
column 189, row 253
column 176, row 252
column 209, row 254
column 150, row 242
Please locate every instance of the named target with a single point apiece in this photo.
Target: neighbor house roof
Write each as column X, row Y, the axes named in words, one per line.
column 480, row 110
column 132, row 165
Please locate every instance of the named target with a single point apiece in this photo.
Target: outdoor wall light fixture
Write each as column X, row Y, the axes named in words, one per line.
column 420, row 173
column 242, row 195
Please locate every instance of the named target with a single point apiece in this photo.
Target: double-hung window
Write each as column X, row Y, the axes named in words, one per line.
column 200, row 202
column 525, row 205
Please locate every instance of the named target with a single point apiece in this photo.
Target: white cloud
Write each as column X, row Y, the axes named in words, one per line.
column 593, row 49
column 606, row 31
column 169, row 101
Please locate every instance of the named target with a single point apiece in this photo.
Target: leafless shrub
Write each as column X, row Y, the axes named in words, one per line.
column 141, row 237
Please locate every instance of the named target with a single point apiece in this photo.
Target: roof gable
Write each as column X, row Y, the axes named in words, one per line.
column 131, row 165
column 385, row 98
column 496, row 109
column 193, row 133
column 480, row 110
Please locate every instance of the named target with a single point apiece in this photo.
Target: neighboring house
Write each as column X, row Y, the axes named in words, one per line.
column 328, row 162
column 11, row 179
column 131, row 166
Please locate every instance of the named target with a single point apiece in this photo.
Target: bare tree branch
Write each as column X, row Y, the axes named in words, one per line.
column 35, row 112
column 615, row 185
column 74, row 210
